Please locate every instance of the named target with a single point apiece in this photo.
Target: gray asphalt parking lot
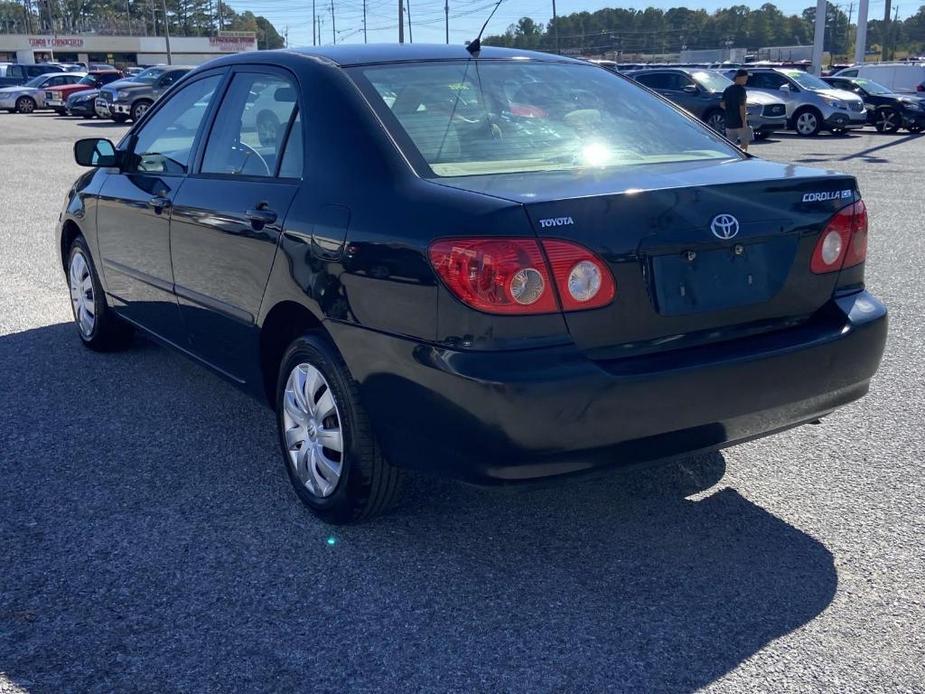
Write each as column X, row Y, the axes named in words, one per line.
column 150, row 541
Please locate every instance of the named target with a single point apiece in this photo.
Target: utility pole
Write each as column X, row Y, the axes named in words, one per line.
column 819, row 36
column 333, row 24
column 446, row 15
column 221, row 20
column 555, row 27
column 401, row 21
column 167, row 32
column 887, row 11
column 848, row 27
column 314, row 25
column 860, row 37
column 410, row 35
column 364, row 21
column 128, row 17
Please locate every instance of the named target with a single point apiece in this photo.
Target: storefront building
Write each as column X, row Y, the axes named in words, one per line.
column 122, row 50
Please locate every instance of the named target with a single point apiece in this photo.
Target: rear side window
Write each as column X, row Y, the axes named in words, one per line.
column 247, row 138
column 291, row 166
column 468, row 118
column 655, row 80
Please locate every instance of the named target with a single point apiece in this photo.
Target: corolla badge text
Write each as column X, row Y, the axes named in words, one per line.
column 556, row 222
column 724, row 226
column 828, row 195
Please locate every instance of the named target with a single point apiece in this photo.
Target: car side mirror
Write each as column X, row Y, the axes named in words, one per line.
column 95, row 151
column 785, row 87
column 690, row 88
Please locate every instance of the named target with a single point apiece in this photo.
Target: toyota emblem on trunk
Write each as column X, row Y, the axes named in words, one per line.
column 724, row 226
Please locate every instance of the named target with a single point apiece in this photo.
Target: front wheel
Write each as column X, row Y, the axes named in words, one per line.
column 331, row 456
column 717, row 121
column 807, row 123
column 25, row 104
column 139, row 108
column 99, row 328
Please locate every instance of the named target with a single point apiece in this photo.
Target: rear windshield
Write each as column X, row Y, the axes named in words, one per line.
column 484, row 117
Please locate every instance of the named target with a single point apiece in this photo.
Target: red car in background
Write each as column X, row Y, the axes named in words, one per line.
column 56, row 97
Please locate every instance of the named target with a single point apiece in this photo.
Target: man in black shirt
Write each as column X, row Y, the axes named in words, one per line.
column 736, row 113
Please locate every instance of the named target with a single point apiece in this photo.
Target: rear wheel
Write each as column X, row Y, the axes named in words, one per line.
column 888, row 120
column 139, row 108
column 99, row 328
column 25, row 104
column 807, row 122
column 331, row 456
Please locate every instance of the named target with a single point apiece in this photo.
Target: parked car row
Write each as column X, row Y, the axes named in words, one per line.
column 104, row 93
column 789, row 99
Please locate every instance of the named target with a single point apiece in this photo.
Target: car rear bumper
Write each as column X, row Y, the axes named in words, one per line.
column 506, row 416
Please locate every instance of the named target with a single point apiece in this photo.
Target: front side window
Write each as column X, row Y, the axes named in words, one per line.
column 468, row 118
column 165, row 143
column 247, row 139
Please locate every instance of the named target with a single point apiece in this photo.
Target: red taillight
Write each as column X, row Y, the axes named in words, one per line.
column 496, row 275
column 511, row 275
column 583, row 280
column 843, row 242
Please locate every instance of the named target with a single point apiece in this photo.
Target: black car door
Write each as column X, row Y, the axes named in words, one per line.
column 133, row 218
column 228, row 216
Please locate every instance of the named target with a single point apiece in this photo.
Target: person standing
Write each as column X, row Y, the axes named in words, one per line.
column 733, row 104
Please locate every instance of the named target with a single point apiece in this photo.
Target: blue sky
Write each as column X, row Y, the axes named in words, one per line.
column 466, row 16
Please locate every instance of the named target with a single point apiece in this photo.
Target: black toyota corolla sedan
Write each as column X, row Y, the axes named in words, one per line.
column 500, row 267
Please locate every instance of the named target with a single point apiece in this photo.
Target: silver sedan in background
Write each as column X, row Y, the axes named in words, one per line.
column 30, row 96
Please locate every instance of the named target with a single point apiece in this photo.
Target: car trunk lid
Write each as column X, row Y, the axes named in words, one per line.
column 700, row 252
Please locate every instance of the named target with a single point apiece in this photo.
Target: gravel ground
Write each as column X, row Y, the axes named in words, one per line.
column 149, row 539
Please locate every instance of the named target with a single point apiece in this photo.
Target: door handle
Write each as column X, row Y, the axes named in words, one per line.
column 159, row 203
column 261, row 215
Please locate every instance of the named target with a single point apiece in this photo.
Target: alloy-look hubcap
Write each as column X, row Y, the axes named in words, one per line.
column 806, row 123
column 82, row 294
column 312, row 430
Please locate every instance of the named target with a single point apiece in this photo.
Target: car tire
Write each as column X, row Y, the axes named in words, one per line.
column 716, row 119
column 139, row 108
column 99, row 328
column 807, row 122
column 888, row 120
column 25, row 104
column 317, row 401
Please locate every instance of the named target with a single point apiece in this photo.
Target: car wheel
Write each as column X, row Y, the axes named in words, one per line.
column 716, row 120
column 99, row 328
column 267, row 128
column 25, row 104
column 331, row 456
column 807, row 122
column 888, row 120
column 119, row 117
column 139, row 108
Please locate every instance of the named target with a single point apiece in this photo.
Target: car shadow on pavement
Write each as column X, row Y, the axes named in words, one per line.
column 103, row 124
column 151, row 542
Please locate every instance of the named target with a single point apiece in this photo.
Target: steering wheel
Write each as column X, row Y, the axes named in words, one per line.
column 248, row 153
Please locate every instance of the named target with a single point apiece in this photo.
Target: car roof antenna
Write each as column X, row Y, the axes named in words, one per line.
column 475, row 47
